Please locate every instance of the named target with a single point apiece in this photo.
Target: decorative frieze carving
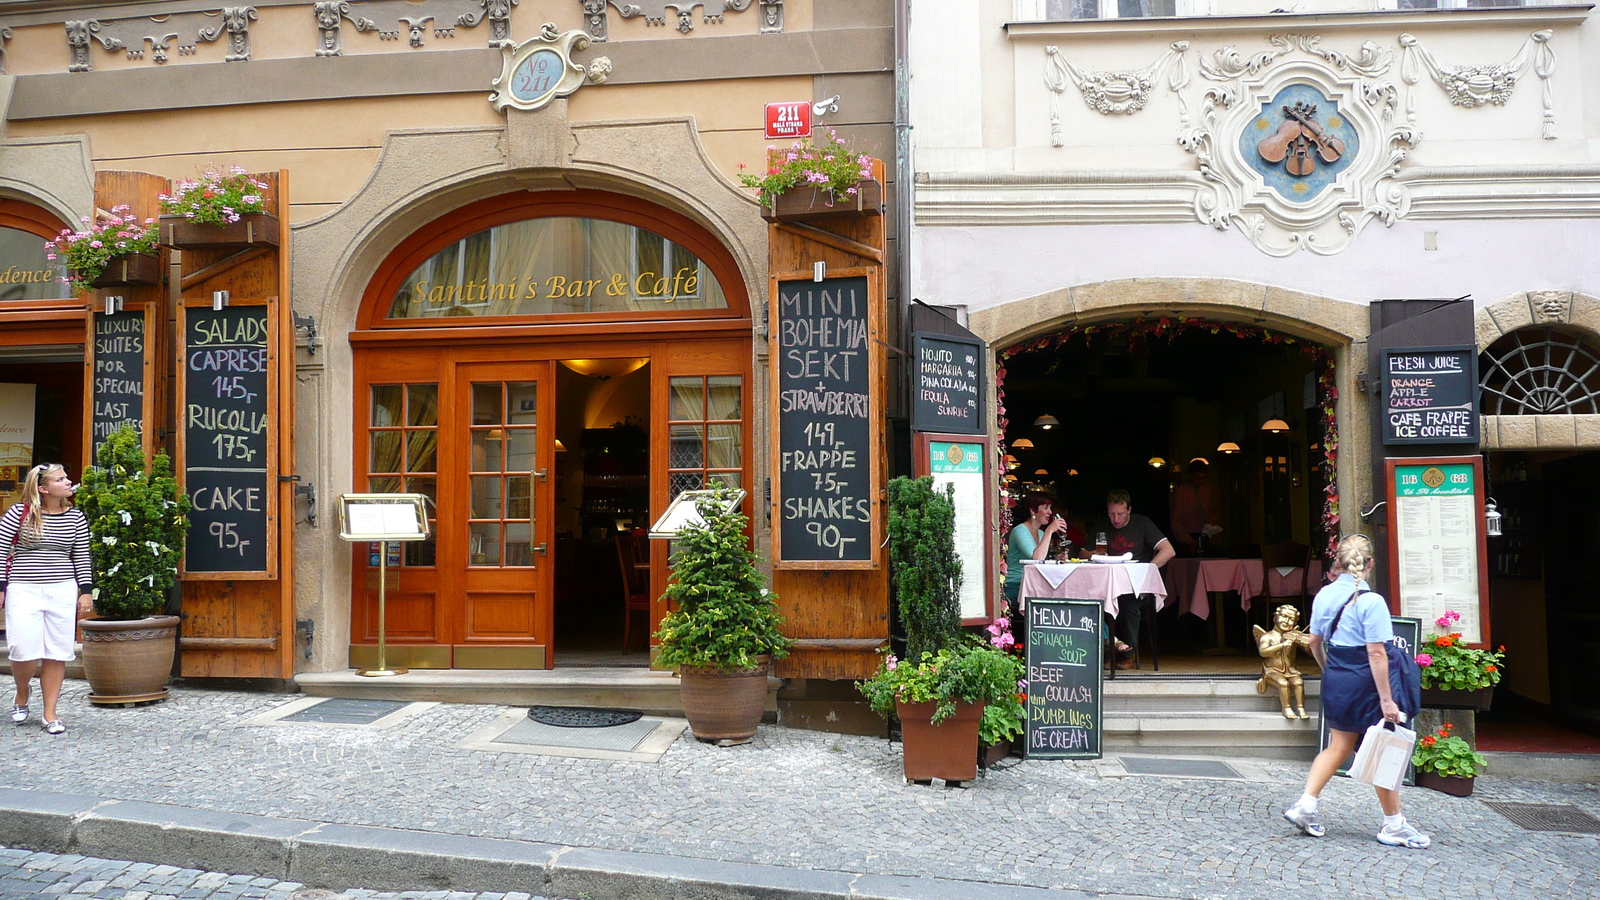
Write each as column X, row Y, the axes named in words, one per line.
column 681, row 16
column 1471, row 86
column 152, row 38
column 5, row 35
column 413, row 22
column 541, row 70
column 1321, row 204
column 1550, row 307
column 1111, row 92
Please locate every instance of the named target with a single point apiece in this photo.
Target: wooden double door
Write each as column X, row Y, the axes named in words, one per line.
column 478, row 436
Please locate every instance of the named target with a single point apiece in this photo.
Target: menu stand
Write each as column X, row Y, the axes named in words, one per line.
column 383, row 518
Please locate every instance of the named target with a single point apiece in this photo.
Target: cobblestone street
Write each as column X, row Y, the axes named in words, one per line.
column 801, row 800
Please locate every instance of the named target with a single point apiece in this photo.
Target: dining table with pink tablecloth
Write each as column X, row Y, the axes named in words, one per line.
column 1092, row 581
column 1192, row 581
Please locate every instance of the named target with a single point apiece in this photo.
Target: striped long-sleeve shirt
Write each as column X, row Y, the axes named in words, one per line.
column 62, row 553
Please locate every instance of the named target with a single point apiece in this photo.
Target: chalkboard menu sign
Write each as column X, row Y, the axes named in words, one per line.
column 226, row 459
column 116, row 375
column 947, row 393
column 1430, row 395
column 824, row 420
column 1065, row 665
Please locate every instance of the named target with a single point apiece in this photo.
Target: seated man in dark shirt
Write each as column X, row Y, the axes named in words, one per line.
column 1128, row 532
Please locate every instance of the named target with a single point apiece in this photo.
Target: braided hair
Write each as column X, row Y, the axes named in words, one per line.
column 1354, row 555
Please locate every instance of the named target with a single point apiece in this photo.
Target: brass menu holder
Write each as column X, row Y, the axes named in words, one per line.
column 383, row 518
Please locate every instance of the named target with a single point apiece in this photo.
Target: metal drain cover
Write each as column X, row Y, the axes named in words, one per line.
column 345, row 711
column 1180, row 768
column 622, row 738
column 1547, row 816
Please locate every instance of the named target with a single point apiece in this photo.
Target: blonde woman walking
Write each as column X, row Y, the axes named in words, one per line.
column 47, row 582
column 1365, row 679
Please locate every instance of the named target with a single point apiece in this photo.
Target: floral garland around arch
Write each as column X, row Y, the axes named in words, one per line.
column 1139, row 331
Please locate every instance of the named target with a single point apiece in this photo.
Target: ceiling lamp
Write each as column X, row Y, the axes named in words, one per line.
column 1276, row 426
column 560, row 447
column 1010, row 479
column 605, row 368
column 1071, row 472
column 1228, row 447
column 1200, row 459
column 1022, row 444
column 1044, row 472
column 1011, row 462
column 1046, row 422
column 1156, row 462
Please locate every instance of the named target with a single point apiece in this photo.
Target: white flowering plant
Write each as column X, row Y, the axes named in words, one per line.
column 137, row 521
column 216, row 198
column 827, row 164
column 87, row 252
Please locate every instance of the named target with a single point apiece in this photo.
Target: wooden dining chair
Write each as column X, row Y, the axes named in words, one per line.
column 633, row 555
column 1286, row 553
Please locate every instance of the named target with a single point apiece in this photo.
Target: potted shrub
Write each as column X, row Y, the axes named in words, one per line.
column 113, row 251
column 1447, row 763
column 218, row 211
column 723, row 634
column 1457, row 677
column 137, row 521
column 942, row 689
column 822, row 179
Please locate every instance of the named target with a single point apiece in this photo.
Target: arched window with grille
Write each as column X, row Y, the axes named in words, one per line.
column 1541, row 371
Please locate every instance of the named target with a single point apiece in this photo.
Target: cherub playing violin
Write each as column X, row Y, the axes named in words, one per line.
column 1300, row 142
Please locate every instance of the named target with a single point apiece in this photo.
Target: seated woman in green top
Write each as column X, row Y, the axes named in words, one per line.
column 1031, row 539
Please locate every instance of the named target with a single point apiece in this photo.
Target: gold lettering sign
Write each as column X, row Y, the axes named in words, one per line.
column 554, row 266
column 25, row 272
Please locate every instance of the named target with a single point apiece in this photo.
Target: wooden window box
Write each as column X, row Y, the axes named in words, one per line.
column 809, row 204
column 256, row 229
column 139, row 268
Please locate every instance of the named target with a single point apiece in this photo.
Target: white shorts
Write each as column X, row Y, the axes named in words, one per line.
column 40, row 620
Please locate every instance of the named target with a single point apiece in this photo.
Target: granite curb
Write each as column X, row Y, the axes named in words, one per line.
column 320, row 854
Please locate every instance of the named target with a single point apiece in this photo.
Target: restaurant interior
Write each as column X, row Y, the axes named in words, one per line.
column 1124, row 408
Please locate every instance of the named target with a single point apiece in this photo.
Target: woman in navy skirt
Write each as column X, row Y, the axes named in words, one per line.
column 1365, row 680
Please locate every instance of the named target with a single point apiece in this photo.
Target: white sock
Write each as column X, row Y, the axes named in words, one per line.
column 1393, row 823
column 1307, row 803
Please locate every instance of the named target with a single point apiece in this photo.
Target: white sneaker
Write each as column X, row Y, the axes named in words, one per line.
column 19, row 714
column 1305, row 820
column 54, row 727
column 1406, row 836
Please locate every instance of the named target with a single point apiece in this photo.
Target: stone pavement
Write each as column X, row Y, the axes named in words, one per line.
column 26, row 875
column 829, row 813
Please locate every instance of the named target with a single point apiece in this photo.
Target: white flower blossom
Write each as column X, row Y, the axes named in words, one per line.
column 127, row 517
column 109, row 540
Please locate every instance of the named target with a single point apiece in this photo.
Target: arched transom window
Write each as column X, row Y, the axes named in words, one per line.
column 554, row 266
column 1540, row 371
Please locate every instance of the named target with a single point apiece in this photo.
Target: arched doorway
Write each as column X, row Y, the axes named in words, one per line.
column 551, row 369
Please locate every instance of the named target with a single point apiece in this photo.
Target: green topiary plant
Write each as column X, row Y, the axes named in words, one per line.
column 137, row 521
column 924, row 566
column 725, row 618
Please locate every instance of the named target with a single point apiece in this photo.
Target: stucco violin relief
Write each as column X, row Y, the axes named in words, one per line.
column 1298, row 145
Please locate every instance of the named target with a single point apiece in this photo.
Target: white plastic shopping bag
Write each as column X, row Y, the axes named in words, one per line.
column 1384, row 755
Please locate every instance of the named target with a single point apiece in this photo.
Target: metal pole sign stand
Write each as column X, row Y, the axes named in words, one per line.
column 382, row 518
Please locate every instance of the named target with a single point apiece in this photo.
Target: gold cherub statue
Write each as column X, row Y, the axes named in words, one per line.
column 1277, row 649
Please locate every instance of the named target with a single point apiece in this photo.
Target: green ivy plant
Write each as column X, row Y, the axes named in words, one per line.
column 137, row 521
column 725, row 618
column 1445, row 754
column 924, row 566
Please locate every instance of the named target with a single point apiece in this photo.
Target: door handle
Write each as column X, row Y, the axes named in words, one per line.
column 542, row 474
column 541, row 549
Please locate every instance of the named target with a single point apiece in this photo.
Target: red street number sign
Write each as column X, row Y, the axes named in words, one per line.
column 789, row 120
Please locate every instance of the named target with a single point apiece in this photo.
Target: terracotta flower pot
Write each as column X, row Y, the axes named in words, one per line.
column 121, row 271
column 989, row 754
column 948, row 750
column 128, row 660
column 723, row 704
column 255, row 229
column 808, row 204
column 1441, row 698
column 1454, row 785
